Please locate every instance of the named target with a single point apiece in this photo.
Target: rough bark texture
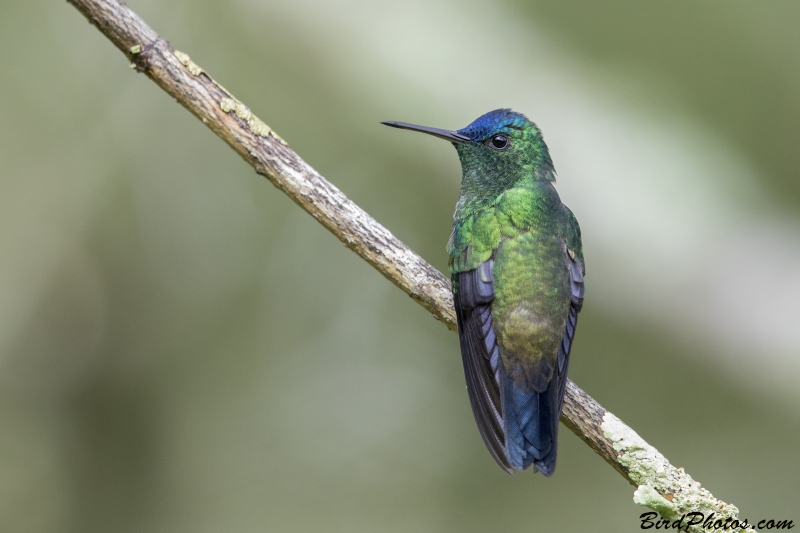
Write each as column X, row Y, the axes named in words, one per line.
column 661, row 486
column 584, row 416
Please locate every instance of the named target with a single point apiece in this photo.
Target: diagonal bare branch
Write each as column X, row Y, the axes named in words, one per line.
column 660, row 486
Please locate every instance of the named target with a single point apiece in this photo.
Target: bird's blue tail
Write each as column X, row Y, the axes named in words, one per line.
column 531, row 425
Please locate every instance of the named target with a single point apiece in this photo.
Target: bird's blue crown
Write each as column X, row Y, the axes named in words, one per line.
column 494, row 122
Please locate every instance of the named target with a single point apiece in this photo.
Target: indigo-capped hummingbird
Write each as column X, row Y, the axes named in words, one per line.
column 516, row 262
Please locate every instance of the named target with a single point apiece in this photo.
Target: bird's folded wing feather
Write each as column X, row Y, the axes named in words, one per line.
column 576, row 303
column 481, row 355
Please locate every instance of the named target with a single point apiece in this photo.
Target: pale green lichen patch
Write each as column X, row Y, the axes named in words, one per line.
column 136, row 49
column 663, row 488
column 649, row 497
column 228, row 104
column 255, row 124
column 187, row 62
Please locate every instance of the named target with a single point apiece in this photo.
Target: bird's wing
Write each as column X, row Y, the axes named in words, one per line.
column 576, row 271
column 481, row 355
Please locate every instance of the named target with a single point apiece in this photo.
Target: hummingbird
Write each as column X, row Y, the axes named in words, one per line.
column 516, row 264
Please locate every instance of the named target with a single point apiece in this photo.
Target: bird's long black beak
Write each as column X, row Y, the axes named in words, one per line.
column 447, row 135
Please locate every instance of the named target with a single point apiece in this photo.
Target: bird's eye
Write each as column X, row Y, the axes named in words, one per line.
column 499, row 142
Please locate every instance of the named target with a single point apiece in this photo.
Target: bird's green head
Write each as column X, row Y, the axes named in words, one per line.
column 497, row 151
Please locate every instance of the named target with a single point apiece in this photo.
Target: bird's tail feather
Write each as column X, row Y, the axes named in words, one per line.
column 531, row 423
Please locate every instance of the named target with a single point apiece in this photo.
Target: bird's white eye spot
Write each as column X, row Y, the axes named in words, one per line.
column 498, row 142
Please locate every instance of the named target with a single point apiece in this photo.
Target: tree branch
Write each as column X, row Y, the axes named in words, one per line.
column 660, row 486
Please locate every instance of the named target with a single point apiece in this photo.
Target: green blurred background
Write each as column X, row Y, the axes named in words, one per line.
column 183, row 349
